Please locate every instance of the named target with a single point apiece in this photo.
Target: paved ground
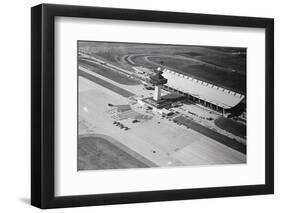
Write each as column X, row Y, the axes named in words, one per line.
column 212, row 134
column 206, row 117
column 159, row 140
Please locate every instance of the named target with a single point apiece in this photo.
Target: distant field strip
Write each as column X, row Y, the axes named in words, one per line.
column 102, row 152
column 110, row 86
column 116, row 76
column 212, row 134
column 221, row 76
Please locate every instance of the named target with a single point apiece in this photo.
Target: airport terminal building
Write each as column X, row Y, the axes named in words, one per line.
column 206, row 94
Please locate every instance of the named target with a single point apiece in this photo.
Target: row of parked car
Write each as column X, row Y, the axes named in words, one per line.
column 122, row 126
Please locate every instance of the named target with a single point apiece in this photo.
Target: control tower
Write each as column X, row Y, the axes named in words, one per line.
column 157, row 81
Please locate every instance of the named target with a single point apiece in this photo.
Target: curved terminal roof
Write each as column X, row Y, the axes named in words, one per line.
column 208, row 92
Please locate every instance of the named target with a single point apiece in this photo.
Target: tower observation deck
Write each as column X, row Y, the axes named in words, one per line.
column 157, row 81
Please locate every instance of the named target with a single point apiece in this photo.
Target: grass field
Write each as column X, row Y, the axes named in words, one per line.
column 231, row 126
column 110, row 74
column 224, row 66
column 232, row 80
column 209, row 73
column 118, row 90
column 96, row 152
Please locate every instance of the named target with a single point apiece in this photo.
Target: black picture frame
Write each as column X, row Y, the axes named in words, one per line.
column 43, row 102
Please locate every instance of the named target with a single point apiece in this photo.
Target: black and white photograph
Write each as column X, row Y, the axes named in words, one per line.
column 145, row 105
column 140, row 106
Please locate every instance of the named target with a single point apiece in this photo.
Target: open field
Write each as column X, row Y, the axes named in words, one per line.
column 106, row 84
column 223, row 66
column 205, row 72
column 221, row 76
column 97, row 152
column 122, row 79
column 231, row 126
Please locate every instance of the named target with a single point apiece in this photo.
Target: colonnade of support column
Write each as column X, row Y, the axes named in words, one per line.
column 198, row 100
